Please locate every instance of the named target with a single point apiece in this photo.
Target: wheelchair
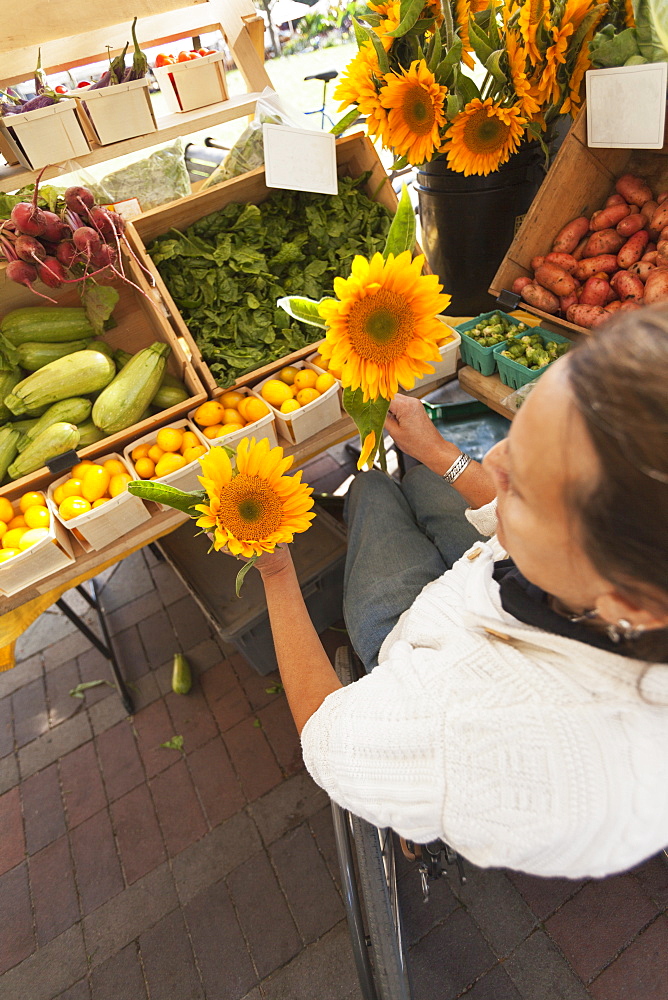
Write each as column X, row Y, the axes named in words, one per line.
column 367, row 861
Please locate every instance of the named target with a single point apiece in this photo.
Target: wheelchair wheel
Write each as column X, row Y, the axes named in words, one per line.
column 369, row 883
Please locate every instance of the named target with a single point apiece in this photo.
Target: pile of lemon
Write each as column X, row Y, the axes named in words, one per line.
column 173, row 448
column 18, row 531
column 296, row 387
column 90, row 485
column 230, row 412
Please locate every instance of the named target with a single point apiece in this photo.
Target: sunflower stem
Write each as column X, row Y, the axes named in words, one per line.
column 382, row 455
column 241, row 575
column 449, row 26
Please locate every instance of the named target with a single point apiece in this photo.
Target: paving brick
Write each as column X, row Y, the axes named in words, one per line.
column 71, row 645
column 121, row 764
column 450, row 958
column 225, row 695
column 215, row 856
column 496, row 906
column 603, row 917
column 544, row 895
column 21, row 674
column 322, row 829
column 168, row 960
column 192, row 718
column 80, row 991
column 255, row 685
column 158, row 639
column 81, row 783
column 31, row 717
column 137, row 833
column 54, row 893
column 6, row 727
column 126, row 915
column 215, row 781
column 93, row 666
column 42, row 809
column 640, row 971
column 16, row 940
column 130, row 653
column 540, row 972
column 96, row 864
column 287, row 805
column 9, row 773
column 188, row 622
column 170, row 587
column 130, row 579
column 106, row 713
column 325, row 969
column 494, row 985
column 653, row 877
column 263, row 914
column 179, row 812
column 419, row 918
column 59, row 683
column 120, row 977
column 54, row 744
column 204, row 655
column 134, row 612
column 145, row 691
column 48, row 971
column 279, row 728
column 308, row 886
column 153, row 726
column 225, row 966
column 12, row 843
column 252, row 759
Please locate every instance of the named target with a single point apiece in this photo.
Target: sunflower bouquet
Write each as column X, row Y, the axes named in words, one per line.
column 248, row 505
column 415, row 81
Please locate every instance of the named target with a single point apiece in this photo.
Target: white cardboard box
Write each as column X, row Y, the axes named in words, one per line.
column 183, row 479
column 626, row 106
column 121, row 111
column 262, row 428
column 193, row 84
column 449, row 357
column 39, row 561
column 301, row 424
column 47, row 135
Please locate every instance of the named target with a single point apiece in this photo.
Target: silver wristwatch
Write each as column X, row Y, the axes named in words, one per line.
column 457, row 467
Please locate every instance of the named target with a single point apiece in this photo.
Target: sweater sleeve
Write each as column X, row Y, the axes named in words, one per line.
column 483, row 518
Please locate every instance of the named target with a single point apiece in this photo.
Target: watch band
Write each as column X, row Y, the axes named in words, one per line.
column 457, row 467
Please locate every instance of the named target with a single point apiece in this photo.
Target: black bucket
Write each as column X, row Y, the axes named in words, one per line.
column 468, row 223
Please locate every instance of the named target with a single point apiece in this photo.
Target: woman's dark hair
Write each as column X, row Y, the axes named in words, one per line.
column 619, row 379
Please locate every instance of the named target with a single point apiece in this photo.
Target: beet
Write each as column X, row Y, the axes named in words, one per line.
column 79, row 199
column 108, row 224
column 86, row 239
column 28, row 219
column 28, row 248
column 24, row 274
column 52, row 272
column 103, row 255
column 66, row 253
column 55, row 230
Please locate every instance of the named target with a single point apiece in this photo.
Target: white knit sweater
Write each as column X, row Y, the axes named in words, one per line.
column 529, row 751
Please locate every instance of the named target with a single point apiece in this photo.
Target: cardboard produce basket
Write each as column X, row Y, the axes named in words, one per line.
column 39, row 561
column 578, row 183
column 46, row 135
column 183, row 479
column 114, row 113
column 301, row 424
column 354, row 154
column 139, row 324
column 196, row 83
column 265, row 427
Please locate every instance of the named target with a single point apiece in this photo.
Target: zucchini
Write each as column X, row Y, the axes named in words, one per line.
column 75, row 374
column 103, row 347
column 9, row 440
column 24, row 425
column 169, row 395
column 55, row 440
column 181, row 676
column 46, row 324
column 71, row 411
column 89, row 433
column 8, row 380
column 33, row 355
column 122, row 402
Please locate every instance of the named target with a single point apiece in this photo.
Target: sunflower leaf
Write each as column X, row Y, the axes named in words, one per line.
column 493, row 67
column 368, row 417
column 435, row 51
column 466, row 88
column 371, row 36
column 241, row 575
column 410, row 13
column 479, row 42
column 402, row 231
column 346, row 121
column 444, row 69
column 169, row 495
column 303, row 309
column 453, row 106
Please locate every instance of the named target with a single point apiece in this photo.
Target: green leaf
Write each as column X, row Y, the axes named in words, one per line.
column 99, row 302
column 78, row 691
column 346, row 121
column 371, row 36
column 435, row 51
column 402, row 231
column 453, row 106
column 305, row 310
column 275, row 689
column 606, row 51
column 169, row 495
column 241, row 575
column 9, row 356
column 466, row 88
column 410, row 13
column 369, row 416
column 493, row 67
column 652, row 29
column 479, row 42
column 256, row 723
column 175, row 743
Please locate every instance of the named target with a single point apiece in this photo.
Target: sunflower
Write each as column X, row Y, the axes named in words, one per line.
column 572, row 102
column 414, row 102
column 461, row 18
column 390, row 13
column 359, row 85
column 383, row 330
column 549, row 88
column 517, row 58
column 532, row 13
column 255, row 508
column 482, row 137
column 433, row 8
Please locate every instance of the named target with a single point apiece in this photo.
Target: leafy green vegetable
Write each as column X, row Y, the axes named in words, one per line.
column 49, row 197
column 652, row 29
column 99, row 302
column 176, row 743
column 158, row 178
column 227, row 271
column 78, row 691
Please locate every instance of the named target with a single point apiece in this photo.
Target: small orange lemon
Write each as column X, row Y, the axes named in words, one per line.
column 231, row 399
column 208, row 413
column 12, row 537
column 37, row 516
column 231, row 416
column 95, row 482
column 77, row 470
column 194, row 452
column 255, row 409
column 118, row 483
column 114, row 466
column 30, row 499
column 98, row 503
column 32, row 537
column 6, row 510
column 72, row 488
column 72, row 507
column 6, row 554
column 141, row 451
column 319, row 362
column 169, row 439
column 275, row 392
column 287, row 374
column 213, row 432
column 58, row 495
column 290, row 405
column 144, row 468
column 18, row 521
column 325, row 382
column 155, row 453
column 169, row 463
column 305, row 379
column 230, row 429
column 306, row 396
column 190, row 440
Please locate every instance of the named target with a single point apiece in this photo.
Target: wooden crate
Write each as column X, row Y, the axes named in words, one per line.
column 578, row 183
column 139, row 324
column 354, row 154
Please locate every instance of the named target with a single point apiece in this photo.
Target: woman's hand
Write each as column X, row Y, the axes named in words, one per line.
column 414, row 433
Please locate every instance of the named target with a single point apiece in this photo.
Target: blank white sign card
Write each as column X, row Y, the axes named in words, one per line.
column 299, row 159
column 626, row 106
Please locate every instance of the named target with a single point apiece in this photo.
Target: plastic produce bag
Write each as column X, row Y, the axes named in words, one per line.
column 160, row 177
column 515, row 400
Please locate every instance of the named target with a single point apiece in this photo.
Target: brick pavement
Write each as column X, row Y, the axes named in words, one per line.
column 133, row 872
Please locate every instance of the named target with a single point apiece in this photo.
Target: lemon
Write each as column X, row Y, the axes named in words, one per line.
column 155, row 452
column 73, row 506
column 287, row 374
column 208, row 413
column 320, row 362
column 11, row 538
column 230, row 400
column 190, row 440
column 6, row 554
column 3, row 528
column 77, row 470
column 194, row 452
column 144, row 468
column 113, row 466
column 255, row 409
column 306, row 396
column 290, row 405
column 58, row 495
column 230, row 429
column 37, row 516
column 213, row 432
column 118, row 483
column 232, row 416
column 32, row 537
column 275, row 392
column 169, row 439
column 95, row 482
column 29, row 500
column 17, row 522
column 6, row 510
column 72, row 488
column 141, row 451
column 169, row 463
column 305, row 379
column 98, row 503
column 325, row 382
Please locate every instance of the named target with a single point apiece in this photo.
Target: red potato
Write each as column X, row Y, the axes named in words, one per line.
column 633, row 209
column 633, row 249
column 608, row 218
column 606, row 262
column 630, row 306
column 613, row 307
column 630, row 225
column 656, row 286
column 565, row 261
column 603, row 241
column 578, row 253
column 650, row 256
column 634, row 189
column 662, row 253
column 595, row 292
column 587, row 316
column 648, row 210
column 642, row 269
column 555, row 279
column 568, row 300
column 663, row 235
column 540, row 298
column 537, row 261
column 628, row 286
column 615, row 199
column 659, row 218
column 660, row 198
column 568, row 238
column 518, row 284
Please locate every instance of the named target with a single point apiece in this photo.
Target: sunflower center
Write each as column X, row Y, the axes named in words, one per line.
column 418, row 110
column 249, row 508
column 381, row 326
column 483, row 134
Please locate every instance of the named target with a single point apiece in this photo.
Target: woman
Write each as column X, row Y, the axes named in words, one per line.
column 517, row 701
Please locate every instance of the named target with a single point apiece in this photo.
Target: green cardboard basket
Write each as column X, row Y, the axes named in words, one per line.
column 480, row 358
column 516, row 375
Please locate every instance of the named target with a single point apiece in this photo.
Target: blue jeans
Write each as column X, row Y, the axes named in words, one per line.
column 401, row 536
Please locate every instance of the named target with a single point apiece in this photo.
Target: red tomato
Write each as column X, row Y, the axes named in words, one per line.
column 163, row 60
column 183, row 57
column 84, row 83
column 60, row 89
column 194, row 55
column 204, row 52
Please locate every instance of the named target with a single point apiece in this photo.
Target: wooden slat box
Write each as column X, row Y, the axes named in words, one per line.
column 139, row 324
column 355, row 154
column 578, row 183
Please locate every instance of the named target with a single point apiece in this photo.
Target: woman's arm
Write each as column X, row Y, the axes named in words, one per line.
column 307, row 675
column 413, row 432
